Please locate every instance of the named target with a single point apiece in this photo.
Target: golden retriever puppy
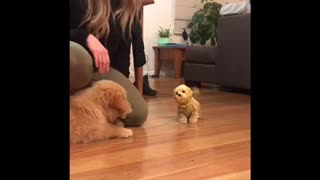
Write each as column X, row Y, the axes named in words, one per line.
column 188, row 106
column 95, row 110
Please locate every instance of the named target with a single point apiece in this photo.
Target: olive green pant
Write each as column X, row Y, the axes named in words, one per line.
column 82, row 76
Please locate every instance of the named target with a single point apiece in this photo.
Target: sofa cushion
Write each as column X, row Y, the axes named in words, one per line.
column 195, row 72
column 235, row 8
column 201, row 54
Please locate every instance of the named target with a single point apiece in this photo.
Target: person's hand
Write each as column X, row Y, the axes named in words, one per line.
column 100, row 54
column 147, row 2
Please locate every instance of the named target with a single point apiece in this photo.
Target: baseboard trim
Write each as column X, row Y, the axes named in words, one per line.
column 144, row 73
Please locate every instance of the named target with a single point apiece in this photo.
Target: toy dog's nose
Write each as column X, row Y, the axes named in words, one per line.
column 179, row 94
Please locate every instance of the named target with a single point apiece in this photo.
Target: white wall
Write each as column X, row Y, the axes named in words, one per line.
column 164, row 13
column 184, row 10
column 161, row 13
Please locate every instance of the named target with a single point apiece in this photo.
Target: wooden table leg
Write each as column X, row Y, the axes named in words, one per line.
column 178, row 63
column 157, row 62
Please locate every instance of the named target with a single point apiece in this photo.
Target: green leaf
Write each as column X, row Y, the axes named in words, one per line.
column 194, row 37
column 162, row 32
column 204, row 23
column 207, row 7
column 203, row 41
column 198, row 17
column 195, row 27
column 213, row 33
column 213, row 37
column 212, row 41
column 208, row 34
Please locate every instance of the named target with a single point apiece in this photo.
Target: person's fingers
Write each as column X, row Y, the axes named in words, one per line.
column 96, row 60
column 100, row 63
column 104, row 63
column 100, row 66
column 107, row 63
column 107, row 67
column 100, row 70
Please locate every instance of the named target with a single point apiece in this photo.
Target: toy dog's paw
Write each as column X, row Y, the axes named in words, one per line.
column 183, row 119
column 194, row 119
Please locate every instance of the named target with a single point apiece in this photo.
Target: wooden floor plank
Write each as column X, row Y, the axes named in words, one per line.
column 158, row 167
column 218, row 147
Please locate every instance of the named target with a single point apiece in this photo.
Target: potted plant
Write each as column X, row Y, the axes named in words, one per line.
column 204, row 23
column 164, row 34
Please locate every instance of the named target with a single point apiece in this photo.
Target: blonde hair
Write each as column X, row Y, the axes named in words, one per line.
column 99, row 12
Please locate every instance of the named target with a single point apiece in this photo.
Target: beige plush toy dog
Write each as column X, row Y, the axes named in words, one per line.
column 188, row 106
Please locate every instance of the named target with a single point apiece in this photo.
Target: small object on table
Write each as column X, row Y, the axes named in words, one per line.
column 185, row 35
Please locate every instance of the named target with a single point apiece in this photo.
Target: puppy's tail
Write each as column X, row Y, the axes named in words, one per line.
column 196, row 91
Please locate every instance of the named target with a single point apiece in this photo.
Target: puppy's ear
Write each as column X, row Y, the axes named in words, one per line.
column 121, row 103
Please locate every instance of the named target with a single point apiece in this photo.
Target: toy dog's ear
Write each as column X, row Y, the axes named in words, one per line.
column 174, row 92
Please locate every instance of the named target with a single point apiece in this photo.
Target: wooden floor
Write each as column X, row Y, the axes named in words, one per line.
column 217, row 148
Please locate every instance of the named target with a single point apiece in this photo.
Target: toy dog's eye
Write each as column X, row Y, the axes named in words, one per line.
column 183, row 91
column 176, row 93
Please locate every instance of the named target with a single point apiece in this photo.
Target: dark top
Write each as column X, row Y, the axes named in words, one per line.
column 118, row 46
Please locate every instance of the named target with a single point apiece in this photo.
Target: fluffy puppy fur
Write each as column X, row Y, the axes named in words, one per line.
column 95, row 110
column 188, row 106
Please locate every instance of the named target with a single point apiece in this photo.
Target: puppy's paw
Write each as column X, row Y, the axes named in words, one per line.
column 126, row 133
column 193, row 121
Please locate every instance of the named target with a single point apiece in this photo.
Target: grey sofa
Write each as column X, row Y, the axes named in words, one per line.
column 228, row 63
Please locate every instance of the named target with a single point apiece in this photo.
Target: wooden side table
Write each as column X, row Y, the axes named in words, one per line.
column 177, row 55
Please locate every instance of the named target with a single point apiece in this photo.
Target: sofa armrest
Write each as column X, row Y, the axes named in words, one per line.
column 201, row 54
